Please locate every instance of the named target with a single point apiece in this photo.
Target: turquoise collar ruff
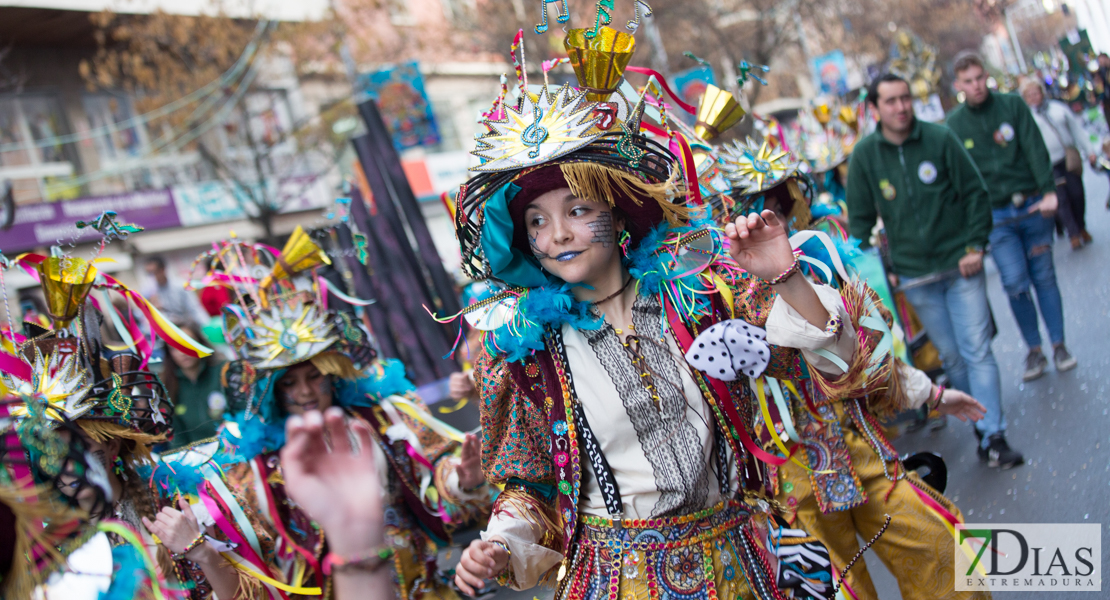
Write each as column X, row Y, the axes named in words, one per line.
column 545, row 309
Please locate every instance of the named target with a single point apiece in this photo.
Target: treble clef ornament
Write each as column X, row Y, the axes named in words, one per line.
column 603, row 18
column 534, row 134
column 562, row 16
column 634, row 24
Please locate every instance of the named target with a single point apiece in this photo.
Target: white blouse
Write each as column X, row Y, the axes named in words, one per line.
column 662, row 458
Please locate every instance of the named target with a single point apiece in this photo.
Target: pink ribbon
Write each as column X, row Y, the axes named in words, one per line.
column 666, row 87
column 217, row 512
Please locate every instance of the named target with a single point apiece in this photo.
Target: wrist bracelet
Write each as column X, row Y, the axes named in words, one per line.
column 192, row 545
column 794, row 266
column 833, row 325
column 508, row 552
column 367, row 561
column 939, row 397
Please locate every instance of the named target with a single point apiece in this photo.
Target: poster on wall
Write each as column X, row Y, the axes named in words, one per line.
column 398, row 90
column 831, row 73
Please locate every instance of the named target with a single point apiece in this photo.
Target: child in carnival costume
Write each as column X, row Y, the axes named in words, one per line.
column 628, row 473
column 846, row 477
column 297, row 355
column 120, row 410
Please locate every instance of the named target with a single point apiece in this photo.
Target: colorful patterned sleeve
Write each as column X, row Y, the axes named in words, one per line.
column 515, row 442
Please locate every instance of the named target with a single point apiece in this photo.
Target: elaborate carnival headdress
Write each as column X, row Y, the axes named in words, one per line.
column 597, row 142
column 71, row 369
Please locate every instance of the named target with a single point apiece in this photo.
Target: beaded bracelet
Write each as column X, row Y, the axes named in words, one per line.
column 192, row 545
column 794, row 266
column 369, row 561
column 939, row 398
column 509, row 560
column 832, row 327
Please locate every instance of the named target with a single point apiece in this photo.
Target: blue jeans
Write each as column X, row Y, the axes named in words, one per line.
column 957, row 317
column 1022, row 250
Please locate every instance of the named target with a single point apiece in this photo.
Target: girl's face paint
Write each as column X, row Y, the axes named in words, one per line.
column 574, row 239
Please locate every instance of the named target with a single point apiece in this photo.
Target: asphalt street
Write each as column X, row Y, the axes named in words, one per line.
column 1059, row 422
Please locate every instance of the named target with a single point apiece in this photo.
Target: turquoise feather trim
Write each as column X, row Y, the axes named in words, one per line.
column 542, row 310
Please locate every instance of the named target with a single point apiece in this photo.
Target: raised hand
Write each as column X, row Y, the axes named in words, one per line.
column 470, row 464
column 759, row 244
column 338, row 487
column 480, row 561
column 175, row 528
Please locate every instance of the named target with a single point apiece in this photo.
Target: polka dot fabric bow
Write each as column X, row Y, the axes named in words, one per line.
column 730, row 349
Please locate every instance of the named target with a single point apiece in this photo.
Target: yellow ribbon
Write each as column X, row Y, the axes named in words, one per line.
column 443, row 429
column 774, row 434
column 725, row 292
column 446, row 410
column 245, row 568
column 129, row 536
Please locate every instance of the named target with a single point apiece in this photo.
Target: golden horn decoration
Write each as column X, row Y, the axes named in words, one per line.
column 599, row 62
column 848, row 117
column 717, row 111
column 299, row 254
column 822, row 113
column 66, row 283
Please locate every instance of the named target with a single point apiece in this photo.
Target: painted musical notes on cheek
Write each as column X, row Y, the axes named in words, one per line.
column 539, row 254
column 602, row 227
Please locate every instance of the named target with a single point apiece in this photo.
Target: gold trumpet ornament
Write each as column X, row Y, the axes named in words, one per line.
column 717, row 111
column 599, row 62
column 299, row 254
column 66, row 282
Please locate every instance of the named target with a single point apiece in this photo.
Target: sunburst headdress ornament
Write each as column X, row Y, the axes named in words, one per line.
column 572, row 138
column 758, row 170
column 280, row 315
column 754, row 167
column 56, row 380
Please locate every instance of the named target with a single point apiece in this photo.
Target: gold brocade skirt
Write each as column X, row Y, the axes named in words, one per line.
column 717, row 552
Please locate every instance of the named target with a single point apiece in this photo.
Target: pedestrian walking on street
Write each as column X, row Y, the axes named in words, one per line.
column 999, row 132
column 1067, row 144
column 936, row 210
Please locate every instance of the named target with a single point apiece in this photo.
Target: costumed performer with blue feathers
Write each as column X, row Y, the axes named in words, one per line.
column 120, row 411
column 297, row 355
column 630, row 473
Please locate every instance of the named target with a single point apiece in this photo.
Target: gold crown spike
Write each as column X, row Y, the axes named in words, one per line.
column 848, row 117
column 299, row 254
column 66, row 282
column 537, row 131
column 599, row 62
column 822, row 113
column 717, row 112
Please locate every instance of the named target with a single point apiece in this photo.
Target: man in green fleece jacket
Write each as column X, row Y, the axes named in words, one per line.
column 999, row 132
column 936, row 212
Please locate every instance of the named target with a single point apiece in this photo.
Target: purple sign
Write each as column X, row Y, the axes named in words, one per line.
column 46, row 223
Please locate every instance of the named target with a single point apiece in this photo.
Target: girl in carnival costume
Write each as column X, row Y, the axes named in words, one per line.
column 120, row 410
column 629, row 473
column 849, row 477
column 296, row 355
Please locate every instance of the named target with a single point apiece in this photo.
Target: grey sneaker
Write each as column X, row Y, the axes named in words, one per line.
column 1063, row 359
column 1035, row 364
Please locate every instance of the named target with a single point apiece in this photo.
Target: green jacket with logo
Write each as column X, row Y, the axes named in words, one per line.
column 1006, row 144
column 929, row 193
